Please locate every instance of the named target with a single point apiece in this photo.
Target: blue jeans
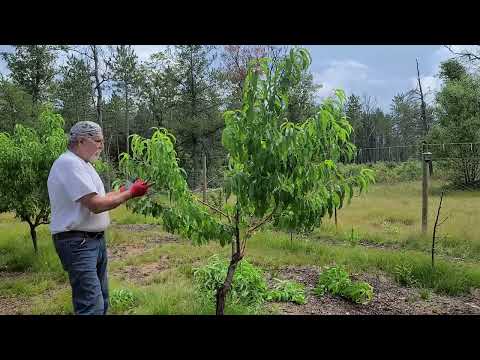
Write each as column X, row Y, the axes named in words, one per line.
column 85, row 260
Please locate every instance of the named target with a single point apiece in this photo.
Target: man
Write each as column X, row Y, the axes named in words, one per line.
column 80, row 217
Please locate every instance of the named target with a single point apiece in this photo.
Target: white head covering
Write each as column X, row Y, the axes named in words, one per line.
column 83, row 128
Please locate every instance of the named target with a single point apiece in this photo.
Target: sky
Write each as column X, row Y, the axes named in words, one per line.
column 379, row 71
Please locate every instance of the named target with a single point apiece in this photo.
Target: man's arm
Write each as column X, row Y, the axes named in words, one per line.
column 98, row 204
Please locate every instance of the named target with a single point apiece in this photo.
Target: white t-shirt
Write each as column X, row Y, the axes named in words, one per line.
column 70, row 179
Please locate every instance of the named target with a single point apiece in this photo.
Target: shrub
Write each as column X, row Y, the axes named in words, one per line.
column 337, row 282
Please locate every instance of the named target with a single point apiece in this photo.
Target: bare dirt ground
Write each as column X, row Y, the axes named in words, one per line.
column 147, row 241
column 143, row 273
column 10, row 305
column 13, row 305
column 389, row 298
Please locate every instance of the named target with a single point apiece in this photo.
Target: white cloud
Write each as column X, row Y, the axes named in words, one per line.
column 340, row 74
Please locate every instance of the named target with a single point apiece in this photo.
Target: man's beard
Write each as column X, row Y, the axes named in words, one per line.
column 95, row 157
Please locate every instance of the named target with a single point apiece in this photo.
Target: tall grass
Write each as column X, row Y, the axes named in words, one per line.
column 17, row 254
column 391, row 215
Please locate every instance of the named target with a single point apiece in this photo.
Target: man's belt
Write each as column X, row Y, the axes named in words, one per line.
column 74, row 233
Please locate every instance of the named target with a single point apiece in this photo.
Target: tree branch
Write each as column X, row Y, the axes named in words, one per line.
column 471, row 56
column 268, row 218
column 214, row 209
column 84, row 53
column 443, row 221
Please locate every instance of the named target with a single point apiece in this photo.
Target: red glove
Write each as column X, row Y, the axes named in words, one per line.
column 123, row 188
column 138, row 188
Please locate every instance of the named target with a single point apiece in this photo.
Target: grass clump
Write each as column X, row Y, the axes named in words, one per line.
column 287, row 291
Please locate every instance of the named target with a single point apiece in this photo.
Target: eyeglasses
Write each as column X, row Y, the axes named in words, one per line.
column 98, row 141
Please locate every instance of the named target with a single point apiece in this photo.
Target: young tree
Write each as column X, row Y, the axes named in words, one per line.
column 26, row 157
column 278, row 171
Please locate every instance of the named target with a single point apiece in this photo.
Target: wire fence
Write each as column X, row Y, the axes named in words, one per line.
column 401, row 153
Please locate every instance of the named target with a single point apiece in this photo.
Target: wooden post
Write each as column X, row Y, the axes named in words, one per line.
column 426, row 158
column 336, row 222
column 204, row 177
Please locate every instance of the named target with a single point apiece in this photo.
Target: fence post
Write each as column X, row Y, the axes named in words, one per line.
column 426, row 158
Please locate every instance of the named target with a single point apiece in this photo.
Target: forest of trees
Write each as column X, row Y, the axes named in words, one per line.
column 187, row 88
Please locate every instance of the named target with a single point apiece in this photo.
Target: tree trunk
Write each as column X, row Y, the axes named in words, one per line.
column 423, row 106
column 222, row 292
column 126, row 119
column 33, row 234
column 336, row 220
column 98, row 87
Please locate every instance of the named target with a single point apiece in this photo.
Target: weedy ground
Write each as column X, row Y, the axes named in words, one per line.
column 377, row 240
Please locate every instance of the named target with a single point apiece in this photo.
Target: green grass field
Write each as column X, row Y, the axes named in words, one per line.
column 390, row 215
column 386, row 219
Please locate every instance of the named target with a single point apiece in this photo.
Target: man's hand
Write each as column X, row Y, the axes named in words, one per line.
column 138, row 188
column 128, row 185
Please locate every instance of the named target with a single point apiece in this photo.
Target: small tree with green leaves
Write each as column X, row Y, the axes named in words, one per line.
column 26, row 157
column 278, row 171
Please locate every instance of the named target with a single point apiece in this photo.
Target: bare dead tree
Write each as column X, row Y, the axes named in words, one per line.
column 95, row 54
column 423, row 107
column 423, row 112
